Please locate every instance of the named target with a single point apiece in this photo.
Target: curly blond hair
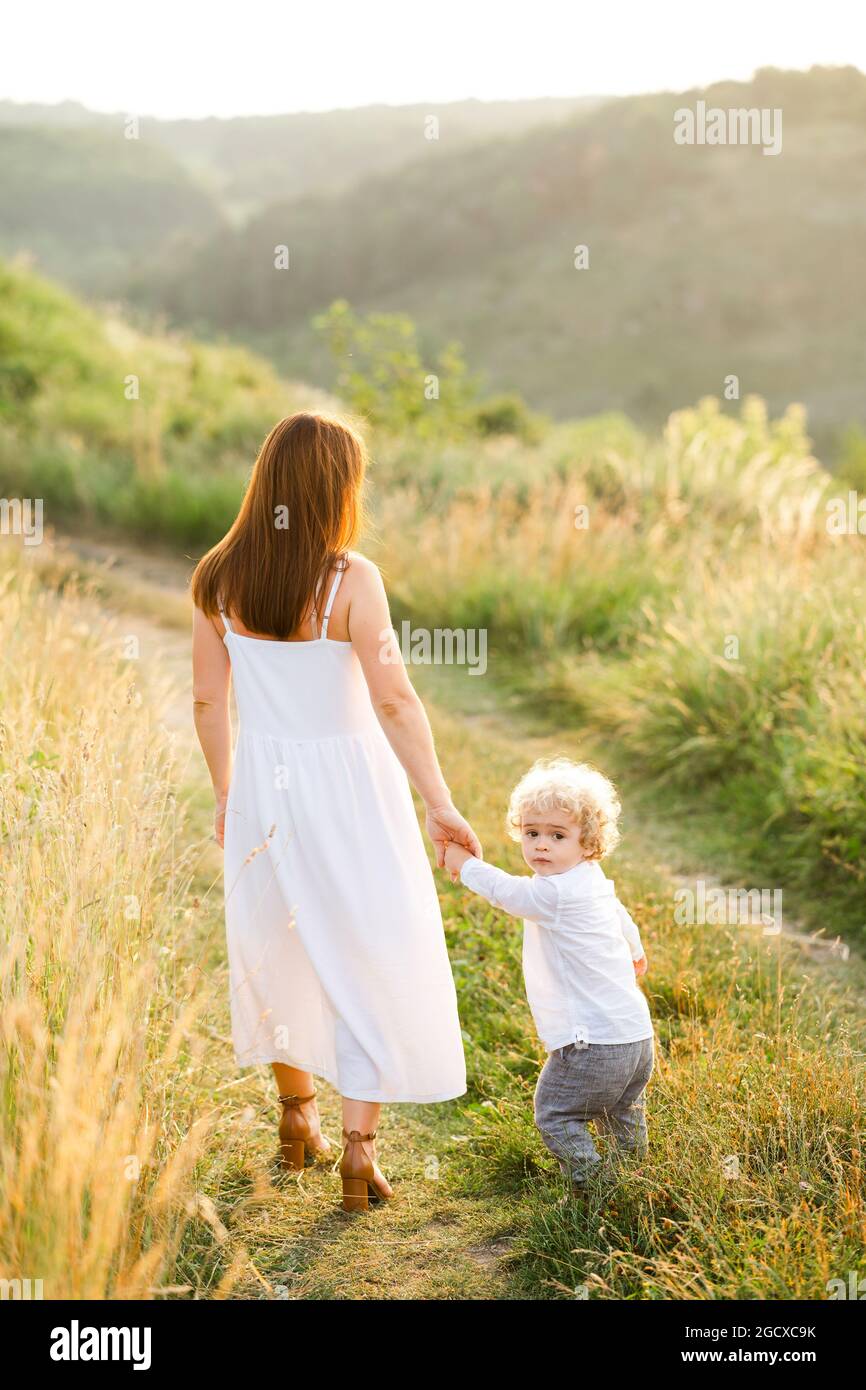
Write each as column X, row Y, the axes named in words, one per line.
column 558, row 784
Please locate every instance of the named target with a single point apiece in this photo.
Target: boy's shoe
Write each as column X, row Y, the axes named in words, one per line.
column 582, row 1173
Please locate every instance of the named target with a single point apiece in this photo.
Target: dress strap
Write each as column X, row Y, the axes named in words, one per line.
column 226, row 621
column 314, row 617
column 334, row 587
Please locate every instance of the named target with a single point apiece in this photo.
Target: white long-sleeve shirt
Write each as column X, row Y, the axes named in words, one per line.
column 579, row 944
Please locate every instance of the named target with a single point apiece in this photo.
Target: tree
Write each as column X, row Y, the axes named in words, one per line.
column 383, row 377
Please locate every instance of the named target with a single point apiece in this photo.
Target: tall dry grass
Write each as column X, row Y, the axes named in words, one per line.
column 99, row 1136
column 703, row 617
column 753, row 1185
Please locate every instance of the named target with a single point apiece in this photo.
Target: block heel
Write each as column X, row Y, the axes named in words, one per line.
column 298, row 1134
column 360, row 1190
column 292, row 1154
column 356, row 1194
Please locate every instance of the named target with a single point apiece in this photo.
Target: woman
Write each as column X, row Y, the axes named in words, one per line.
column 337, row 956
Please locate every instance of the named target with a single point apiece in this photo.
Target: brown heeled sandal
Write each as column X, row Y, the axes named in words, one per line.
column 296, row 1132
column 358, row 1174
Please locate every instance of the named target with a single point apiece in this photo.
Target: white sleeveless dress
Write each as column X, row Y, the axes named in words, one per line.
column 336, row 949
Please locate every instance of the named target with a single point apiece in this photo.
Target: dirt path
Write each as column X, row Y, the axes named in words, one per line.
column 265, row 1235
column 277, row 1236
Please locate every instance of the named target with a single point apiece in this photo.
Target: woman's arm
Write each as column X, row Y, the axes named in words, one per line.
column 211, row 679
column 399, row 708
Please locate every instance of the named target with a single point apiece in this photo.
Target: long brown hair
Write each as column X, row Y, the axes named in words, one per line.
column 302, row 510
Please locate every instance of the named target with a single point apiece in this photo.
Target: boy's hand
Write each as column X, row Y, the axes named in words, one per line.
column 640, row 966
column 455, row 858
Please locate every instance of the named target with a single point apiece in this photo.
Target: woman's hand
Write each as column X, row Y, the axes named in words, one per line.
column 445, row 823
column 219, row 819
column 640, row 966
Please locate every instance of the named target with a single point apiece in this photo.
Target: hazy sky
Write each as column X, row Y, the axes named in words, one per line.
column 188, row 58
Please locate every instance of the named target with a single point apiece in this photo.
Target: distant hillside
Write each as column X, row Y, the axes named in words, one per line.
column 151, row 432
column 87, row 204
column 249, row 162
column 704, row 261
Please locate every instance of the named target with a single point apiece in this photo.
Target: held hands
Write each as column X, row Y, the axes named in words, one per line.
column 455, row 858
column 445, row 824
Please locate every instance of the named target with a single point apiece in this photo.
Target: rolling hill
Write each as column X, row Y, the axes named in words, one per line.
column 89, row 205
column 704, row 262
column 248, row 162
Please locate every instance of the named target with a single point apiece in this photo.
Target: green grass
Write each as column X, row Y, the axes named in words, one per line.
column 614, row 642
column 153, row 433
column 743, row 1025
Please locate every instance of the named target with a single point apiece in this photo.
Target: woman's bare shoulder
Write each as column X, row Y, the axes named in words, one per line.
column 362, row 561
column 366, row 571
column 366, row 596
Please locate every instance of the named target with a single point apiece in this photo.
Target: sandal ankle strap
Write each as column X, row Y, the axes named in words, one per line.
column 294, row 1101
column 356, row 1137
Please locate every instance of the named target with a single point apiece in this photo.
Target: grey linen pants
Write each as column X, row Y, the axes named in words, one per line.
column 603, row 1082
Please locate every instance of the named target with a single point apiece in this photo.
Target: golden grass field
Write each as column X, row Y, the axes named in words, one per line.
column 137, row 1163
